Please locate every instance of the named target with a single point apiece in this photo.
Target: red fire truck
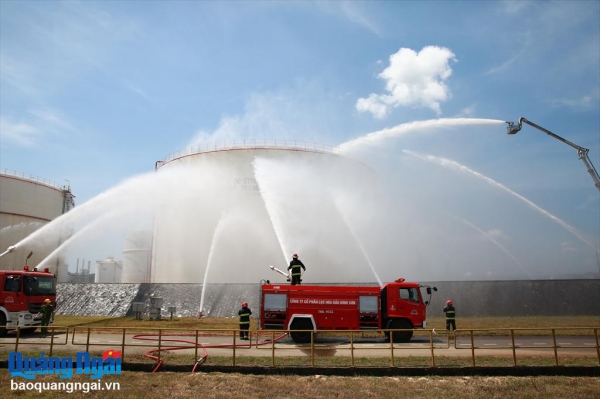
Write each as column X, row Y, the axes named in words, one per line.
column 22, row 294
column 398, row 305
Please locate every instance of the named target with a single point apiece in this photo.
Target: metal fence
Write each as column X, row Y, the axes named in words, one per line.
column 249, row 144
column 158, row 341
column 30, row 177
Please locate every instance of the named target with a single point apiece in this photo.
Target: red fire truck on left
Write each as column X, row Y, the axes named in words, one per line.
column 22, row 294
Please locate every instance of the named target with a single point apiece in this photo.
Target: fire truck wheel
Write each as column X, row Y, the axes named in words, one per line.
column 301, row 337
column 400, row 324
column 3, row 331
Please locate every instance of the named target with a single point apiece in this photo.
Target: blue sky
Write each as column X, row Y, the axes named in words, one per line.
column 96, row 92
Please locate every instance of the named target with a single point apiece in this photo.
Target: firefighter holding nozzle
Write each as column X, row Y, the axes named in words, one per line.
column 45, row 314
column 295, row 266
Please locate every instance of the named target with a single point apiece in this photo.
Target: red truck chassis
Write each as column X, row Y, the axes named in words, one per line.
column 393, row 306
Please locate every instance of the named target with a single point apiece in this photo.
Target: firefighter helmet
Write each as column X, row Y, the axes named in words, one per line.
column 295, row 256
column 244, row 304
column 449, row 302
column 47, row 301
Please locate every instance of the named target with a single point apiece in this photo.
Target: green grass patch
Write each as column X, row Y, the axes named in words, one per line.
column 108, row 324
column 533, row 325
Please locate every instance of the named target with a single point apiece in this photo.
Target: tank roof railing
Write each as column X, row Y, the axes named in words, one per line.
column 249, row 144
column 26, row 176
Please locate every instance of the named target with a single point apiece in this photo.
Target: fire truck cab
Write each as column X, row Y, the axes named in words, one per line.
column 392, row 306
column 22, row 294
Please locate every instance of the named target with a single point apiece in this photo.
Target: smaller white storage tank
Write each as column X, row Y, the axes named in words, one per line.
column 63, row 273
column 136, row 257
column 109, row 270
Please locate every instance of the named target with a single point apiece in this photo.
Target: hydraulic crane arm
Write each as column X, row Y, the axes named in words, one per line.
column 581, row 152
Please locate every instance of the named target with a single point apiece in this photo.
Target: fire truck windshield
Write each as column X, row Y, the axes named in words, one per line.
column 40, row 286
column 409, row 294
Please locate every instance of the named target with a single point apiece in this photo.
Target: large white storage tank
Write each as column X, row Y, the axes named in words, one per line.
column 255, row 205
column 109, row 270
column 136, row 257
column 26, row 204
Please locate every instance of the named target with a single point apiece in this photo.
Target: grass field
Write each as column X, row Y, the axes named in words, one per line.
column 237, row 385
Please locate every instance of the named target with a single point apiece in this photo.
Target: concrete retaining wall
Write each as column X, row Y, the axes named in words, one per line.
column 472, row 298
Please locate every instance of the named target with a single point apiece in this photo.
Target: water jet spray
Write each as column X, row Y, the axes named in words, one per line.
column 455, row 165
column 215, row 238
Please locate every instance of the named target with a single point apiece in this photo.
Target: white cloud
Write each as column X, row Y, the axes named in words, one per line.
column 373, row 105
column 514, row 6
column 33, row 127
column 59, row 43
column 412, row 79
column 19, row 133
column 583, row 103
column 353, row 11
column 18, row 74
column 52, row 119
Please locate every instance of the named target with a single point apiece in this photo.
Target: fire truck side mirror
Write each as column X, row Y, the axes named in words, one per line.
column 430, row 288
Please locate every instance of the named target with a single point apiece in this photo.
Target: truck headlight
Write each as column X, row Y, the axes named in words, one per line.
column 28, row 316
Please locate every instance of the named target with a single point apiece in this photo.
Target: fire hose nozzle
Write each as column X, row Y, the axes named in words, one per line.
column 279, row 271
column 8, row 250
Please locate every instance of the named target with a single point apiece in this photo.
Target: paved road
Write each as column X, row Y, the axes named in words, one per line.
column 324, row 346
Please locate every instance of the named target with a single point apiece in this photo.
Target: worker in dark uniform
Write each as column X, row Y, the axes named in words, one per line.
column 244, row 314
column 46, row 313
column 450, row 315
column 295, row 266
